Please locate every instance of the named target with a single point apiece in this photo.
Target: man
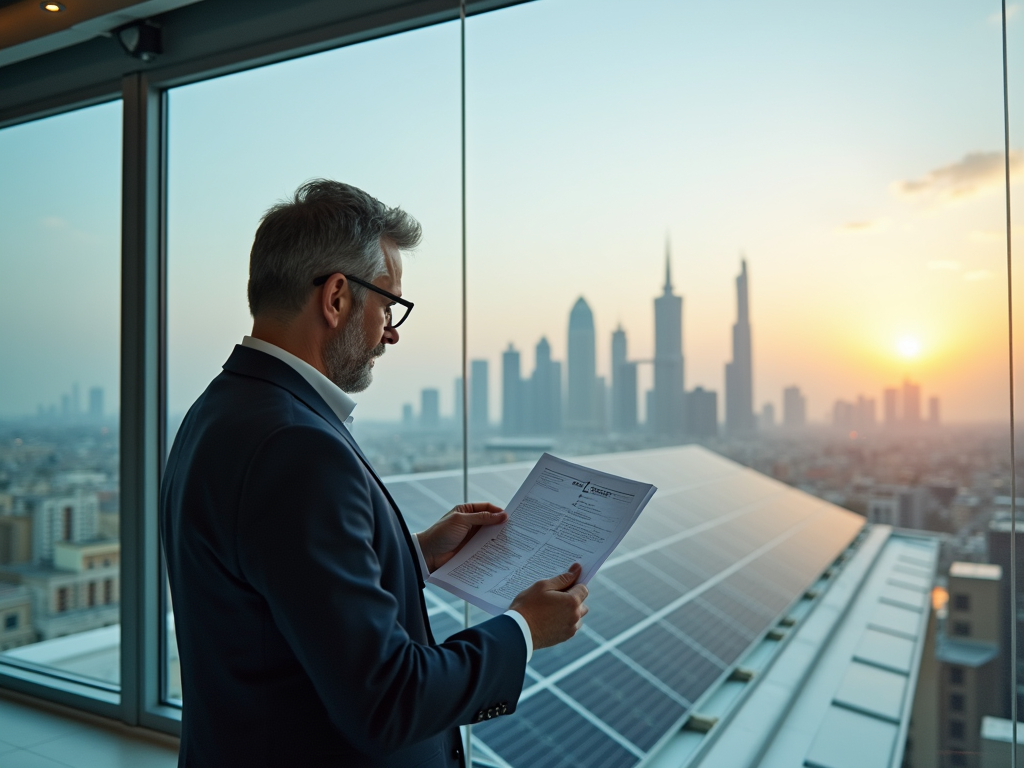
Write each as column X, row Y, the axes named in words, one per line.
column 297, row 588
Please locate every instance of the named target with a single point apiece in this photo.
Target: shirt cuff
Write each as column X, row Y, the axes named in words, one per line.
column 419, row 556
column 527, row 634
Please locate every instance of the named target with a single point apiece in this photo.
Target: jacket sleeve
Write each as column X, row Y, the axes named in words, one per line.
column 306, row 534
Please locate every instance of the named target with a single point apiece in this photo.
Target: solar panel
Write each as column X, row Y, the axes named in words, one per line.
column 719, row 554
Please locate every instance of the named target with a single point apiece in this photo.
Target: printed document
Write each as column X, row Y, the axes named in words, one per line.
column 563, row 514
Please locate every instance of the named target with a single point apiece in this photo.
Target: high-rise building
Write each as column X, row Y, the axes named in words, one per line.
column 911, row 403
column 794, row 407
column 623, row 386
column 408, row 417
column 999, row 554
column 864, row 413
column 739, row 374
column 513, row 405
column 933, row 411
column 582, row 396
column 76, row 400
column 96, row 403
column 458, row 393
column 669, row 381
column 430, row 408
column 969, row 665
column 544, row 400
column 891, row 404
column 767, row 419
column 702, row 413
column 479, row 398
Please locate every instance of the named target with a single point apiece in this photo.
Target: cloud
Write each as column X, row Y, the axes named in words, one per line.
column 976, row 174
column 54, row 222
column 1012, row 9
column 978, row 274
column 864, row 227
column 952, row 266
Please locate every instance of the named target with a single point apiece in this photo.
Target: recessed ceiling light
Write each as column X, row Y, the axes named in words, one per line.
column 52, row 7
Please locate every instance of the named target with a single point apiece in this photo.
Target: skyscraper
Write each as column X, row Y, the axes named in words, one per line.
column 933, row 411
column 669, row 393
column 794, row 407
column 623, row 385
column 739, row 374
column 702, row 413
column 96, row 403
column 581, row 414
column 457, row 413
column 911, row 403
column 544, row 403
column 479, row 400
column 512, row 394
column 430, row 408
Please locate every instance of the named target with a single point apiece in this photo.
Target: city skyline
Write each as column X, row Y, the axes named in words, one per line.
column 865, row 223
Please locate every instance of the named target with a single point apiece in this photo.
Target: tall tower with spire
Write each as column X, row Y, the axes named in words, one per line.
column 582, row 413
column 739, row 374
column 668, row 399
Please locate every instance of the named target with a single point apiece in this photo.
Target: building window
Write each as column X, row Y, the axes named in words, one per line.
column 957, row 758
column 92, row 593
column 66, row 532
column 956, row 702
column 62, row 599
column 10, row 622
column 962, row 602
column 108, row 591
column 962, row 628
column 956, row 675
column 956, row 729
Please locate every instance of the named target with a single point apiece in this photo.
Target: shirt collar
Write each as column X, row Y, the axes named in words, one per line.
column 338, row 401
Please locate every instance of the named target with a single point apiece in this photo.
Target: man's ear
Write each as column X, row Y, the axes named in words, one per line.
column 336, row 300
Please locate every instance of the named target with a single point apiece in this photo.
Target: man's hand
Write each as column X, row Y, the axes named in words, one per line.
column 442, row 541
column 553, row 607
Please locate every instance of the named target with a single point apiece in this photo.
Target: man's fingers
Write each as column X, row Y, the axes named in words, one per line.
column 477, row 506
column 579, row 591
column 485, row 518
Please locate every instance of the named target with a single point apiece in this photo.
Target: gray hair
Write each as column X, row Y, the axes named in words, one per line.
column 327, row 227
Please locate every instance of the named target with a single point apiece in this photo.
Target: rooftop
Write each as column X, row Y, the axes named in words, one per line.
column 983, row 571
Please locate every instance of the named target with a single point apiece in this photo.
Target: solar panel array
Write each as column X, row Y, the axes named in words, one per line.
column 718, row 555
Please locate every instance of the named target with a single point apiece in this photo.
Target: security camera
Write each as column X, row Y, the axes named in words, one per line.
column 141, row 39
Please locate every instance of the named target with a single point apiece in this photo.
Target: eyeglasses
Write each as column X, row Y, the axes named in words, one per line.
column 407, row 305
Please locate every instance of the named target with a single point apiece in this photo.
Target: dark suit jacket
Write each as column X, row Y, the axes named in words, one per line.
column 297, row 597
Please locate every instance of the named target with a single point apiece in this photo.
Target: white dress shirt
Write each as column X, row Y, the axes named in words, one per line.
column 343, row 405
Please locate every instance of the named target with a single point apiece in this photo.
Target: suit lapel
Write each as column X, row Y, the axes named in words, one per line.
column 251, row 362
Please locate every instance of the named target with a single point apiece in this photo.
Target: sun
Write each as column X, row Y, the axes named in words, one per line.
column 908, row 346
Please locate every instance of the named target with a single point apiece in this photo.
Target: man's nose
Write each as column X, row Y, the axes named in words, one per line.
column 390, row 336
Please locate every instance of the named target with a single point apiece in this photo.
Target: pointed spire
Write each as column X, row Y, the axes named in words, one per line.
column 668, row 265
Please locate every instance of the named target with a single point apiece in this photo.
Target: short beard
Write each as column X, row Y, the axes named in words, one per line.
column 348, row 359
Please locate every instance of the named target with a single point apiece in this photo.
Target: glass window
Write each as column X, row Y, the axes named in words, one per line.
column 962, row 602
column 738, row 230
column 956, row 729
column 60, row 268
column 383, row 116
column 956, row 702
column 956, row 675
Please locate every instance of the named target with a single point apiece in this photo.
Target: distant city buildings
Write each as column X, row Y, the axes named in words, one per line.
column 583, row 398
column 668, row 402
column 624, row 386
column 766, row 420
column 430, row 408
column 544, row 394
column 739, row 373
column 479, row 396
column 857, row 416
column 794, row 407
column 702, row 413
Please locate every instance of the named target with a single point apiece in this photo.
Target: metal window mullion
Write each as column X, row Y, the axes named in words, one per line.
column 141, row 309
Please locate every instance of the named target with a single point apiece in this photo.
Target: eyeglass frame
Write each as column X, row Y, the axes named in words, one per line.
column 397, row 299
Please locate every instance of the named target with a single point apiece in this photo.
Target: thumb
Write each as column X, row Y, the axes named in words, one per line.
column 565, row 580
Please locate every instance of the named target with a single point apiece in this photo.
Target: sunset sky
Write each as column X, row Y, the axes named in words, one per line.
column 852, row 153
